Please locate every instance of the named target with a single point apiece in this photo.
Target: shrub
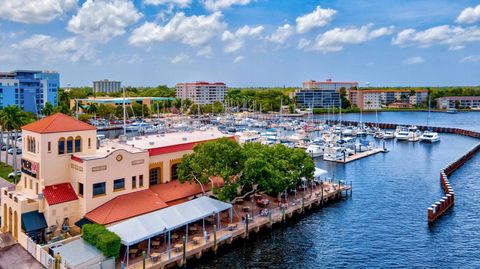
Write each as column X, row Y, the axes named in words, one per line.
column 104, row 240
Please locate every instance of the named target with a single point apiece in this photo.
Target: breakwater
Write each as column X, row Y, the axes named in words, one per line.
column 438, row 208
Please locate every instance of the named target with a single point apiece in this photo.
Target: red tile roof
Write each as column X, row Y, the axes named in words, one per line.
column 59, row 193
column 179, row 147
column 126, row 206
column 174, row 190
column 58, row 123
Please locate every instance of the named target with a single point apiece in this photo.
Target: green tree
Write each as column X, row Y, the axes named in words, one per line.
column 47, row 110
column 12, row 118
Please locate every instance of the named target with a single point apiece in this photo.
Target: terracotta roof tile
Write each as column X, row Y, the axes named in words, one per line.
column 174, row 190
column 126, row 206
column 58, row 123
column 59, row 193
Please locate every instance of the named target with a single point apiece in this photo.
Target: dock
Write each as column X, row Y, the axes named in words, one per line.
column 360, row 155
column 179, row 255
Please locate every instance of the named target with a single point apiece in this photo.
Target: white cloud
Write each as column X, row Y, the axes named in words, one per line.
column 471, row 59
column 215, row 5
column 334, row 40
column 303, row 43
column 237, row 40
column 103, row 19
column 206, row 51
column 181, row 58
column 318, row 18
column 180, row 3
column 469, row 15
column 34, row 11
column 281, row 34
column 238, row 59
column 193, row 30
column 453, row 36
column 414, row 60
column 45, row 48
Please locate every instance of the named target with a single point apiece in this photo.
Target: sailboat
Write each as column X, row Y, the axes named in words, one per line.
column 428, row 136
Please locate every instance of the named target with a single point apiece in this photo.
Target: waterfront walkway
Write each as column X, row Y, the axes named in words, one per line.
column 258, row 217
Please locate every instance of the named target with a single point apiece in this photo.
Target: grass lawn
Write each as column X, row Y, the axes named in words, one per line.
column 5, row 170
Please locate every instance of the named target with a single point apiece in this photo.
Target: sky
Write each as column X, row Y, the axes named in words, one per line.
column 245, row 43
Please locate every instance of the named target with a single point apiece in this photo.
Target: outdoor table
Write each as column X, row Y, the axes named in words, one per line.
column 232, row 226
column 155, row 256
column 156, row 244
column 178, row 247
column 245, row 209
column 174, row 236
column 196, row 240
column 193, row 228
column 133, row 252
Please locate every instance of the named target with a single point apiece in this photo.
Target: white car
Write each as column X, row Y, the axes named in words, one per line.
column 10, row 151
column 13, row 174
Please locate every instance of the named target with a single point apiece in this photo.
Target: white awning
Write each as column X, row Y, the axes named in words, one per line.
column 319, row 172
column 143, row 227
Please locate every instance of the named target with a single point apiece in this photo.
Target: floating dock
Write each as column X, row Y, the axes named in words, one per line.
column 360, row 155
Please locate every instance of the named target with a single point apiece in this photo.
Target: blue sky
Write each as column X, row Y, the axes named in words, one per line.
column 245, row 42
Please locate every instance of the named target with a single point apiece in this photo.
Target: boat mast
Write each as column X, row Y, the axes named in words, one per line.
column 124, row 115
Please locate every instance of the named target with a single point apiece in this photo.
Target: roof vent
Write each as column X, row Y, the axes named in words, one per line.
column 151, row 143
column 184, row 138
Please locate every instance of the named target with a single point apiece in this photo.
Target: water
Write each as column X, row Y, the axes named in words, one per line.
column 464, row 120
column 384, row 224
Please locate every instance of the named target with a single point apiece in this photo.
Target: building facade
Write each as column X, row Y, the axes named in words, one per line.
column 202, row 93
column 321, row 94
column 30, row 90
column 371, row 99
column 107, row 86
column 69, row 176
column 472, row 102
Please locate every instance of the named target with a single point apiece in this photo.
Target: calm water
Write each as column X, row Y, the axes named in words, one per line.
column 465, row 120
column 384, row 224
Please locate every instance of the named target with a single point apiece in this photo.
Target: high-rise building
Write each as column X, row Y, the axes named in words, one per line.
column 30, row 90
column 201, row 92
column 321, row 94
column 106, row 86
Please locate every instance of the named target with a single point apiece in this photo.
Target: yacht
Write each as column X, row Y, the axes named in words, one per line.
column 452, row 111
column 429, row 137
column 415, row 134
column 334, row 153
column 388, row 135
column 403, row 135
column 314, row 150
column 137, row 126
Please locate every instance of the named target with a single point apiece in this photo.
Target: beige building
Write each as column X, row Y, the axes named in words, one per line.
column 69, row 177
column 201, row 92
column 371, row 99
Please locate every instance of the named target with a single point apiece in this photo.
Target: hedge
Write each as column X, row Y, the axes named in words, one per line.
column 104, row 240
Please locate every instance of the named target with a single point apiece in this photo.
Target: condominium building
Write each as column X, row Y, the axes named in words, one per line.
column 321, row 94
column 28, row 89
column 447, row 102
column 201, row 92
column 70, row 178
column 107, row 86
column 371, row 99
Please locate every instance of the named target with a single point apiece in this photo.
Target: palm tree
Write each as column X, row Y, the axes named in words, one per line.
column 47, row 110
column 12, row 118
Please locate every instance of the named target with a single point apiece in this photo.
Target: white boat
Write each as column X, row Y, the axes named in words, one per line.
column 314, row 150
column 415, row 134
column 403, row 135
column 379, row 135
column 388, row 135
column 349, row 131
column 429, row 137
column 334, row 153
column 136, row 126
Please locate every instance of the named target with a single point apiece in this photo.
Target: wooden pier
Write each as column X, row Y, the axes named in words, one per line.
column 179, row 255
column 360, row 155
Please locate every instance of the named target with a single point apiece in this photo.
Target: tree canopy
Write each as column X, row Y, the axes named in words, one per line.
column 272, row 169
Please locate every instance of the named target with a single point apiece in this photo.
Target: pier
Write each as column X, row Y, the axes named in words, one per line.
column 240, row 229
column 361, row 155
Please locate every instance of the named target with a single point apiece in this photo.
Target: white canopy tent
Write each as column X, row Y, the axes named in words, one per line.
column 138, row 229
column 318, row 173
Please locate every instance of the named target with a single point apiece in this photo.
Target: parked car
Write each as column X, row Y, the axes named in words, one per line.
column 13, row 174
column 4, row 147
column 10, row 151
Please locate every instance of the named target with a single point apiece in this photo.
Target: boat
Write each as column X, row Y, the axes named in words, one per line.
column 388, row 135
column 137, row 126
column 430, row 137
column 452, row 111
column 403, row 135
column 379, row 135
column 334, row 153
column 314, row 150
column 414, row 134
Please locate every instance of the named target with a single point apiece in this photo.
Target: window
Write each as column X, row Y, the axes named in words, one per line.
column 174, row 171
column 89, row 143
column 25, row 182
column 49, row 146
column 119, row 184
column 80, row 189
column 61, row 146
column 98, row 189
column 31, row 184
column 78, row 144
column 134, row 182
column 70, row 144
column 36, row 187
column 154, row 176
column 140, row 181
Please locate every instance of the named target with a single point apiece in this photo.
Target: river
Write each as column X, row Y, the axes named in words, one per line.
column 384, row 223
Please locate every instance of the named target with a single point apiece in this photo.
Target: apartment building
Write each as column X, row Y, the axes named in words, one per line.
column 107, row 86
column 201, row 92
column 447, row 102
column 321, row 94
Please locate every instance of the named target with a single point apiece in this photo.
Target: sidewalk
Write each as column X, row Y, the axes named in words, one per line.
column 16, row 257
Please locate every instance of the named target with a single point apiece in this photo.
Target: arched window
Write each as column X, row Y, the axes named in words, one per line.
column 78, row 144
column 61, row 146
column 70, row 144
